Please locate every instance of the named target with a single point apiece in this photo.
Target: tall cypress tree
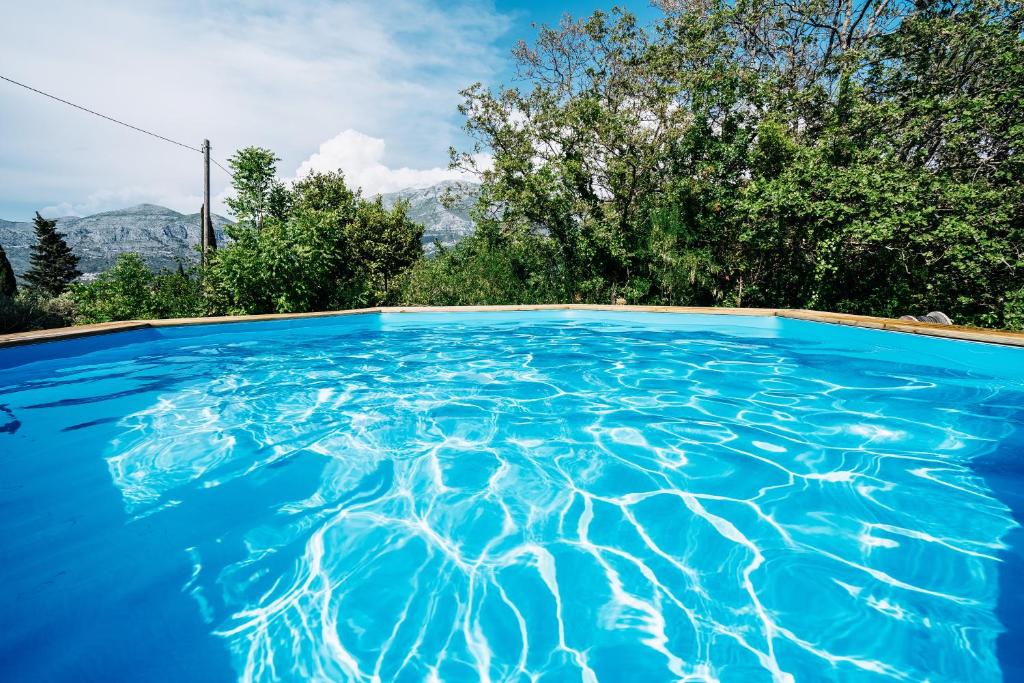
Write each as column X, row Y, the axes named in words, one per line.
column 8, row 285
column 54, row 265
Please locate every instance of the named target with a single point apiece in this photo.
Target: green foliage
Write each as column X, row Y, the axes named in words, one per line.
column 476, row 272
column 258, row 192
column 332, row 249
column 32, row 310
column 130, row 291
column 853, row 155
column 8, row 284
column 382, row 244
column 1013, row 309
column 54, row 266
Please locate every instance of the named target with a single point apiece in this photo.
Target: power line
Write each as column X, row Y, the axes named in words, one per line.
column 221, row 167
column 207, row 227
column 110, row 118
column 102, row 116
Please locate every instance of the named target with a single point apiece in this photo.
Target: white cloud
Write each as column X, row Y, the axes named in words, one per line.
column 281, row 75
column 361, row 158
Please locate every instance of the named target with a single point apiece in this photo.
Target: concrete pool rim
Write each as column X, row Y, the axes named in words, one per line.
column 963, row 333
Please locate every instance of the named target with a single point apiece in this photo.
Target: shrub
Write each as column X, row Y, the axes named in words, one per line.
column 130, row 291
column 33, row 311
column 476, row 272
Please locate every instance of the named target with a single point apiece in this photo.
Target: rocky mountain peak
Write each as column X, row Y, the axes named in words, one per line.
column 162, row 236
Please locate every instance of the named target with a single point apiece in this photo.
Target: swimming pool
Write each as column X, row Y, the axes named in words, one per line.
column 511, row 496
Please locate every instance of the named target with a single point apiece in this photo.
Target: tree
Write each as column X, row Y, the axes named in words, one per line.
column 258, row 192
column 293, row 263
column 853, row 155
column 382, row 244
column 478, row 271
column 331, row 249
column 8, row 285
column 121, row 293
column 613, row 122
column 54, row 265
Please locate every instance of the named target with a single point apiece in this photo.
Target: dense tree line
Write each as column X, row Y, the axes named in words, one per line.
column 850, row 155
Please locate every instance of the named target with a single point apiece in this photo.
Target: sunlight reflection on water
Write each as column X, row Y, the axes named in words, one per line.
column 568, row 497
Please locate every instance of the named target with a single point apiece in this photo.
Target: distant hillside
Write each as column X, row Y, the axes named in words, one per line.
column 446, row 226
column 160, row 235
column 163, row 236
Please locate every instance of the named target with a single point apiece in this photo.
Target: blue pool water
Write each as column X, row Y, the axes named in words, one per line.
column 546, row 496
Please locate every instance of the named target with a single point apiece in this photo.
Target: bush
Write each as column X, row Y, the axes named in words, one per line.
column 130, row 291
column 477, row 272
column 31, row 311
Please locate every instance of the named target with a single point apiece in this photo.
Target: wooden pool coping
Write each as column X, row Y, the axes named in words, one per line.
column 974, row 334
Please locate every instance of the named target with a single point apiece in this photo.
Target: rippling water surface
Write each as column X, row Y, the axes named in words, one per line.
column 531, row 496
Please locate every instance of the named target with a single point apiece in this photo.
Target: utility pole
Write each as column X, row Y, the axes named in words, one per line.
column 207, row 236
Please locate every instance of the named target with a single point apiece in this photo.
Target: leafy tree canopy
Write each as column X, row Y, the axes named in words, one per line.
column 329, row 248
column 258, row 192
column 853, row 155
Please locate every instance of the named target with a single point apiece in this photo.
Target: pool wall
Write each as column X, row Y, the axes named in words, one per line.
column 974, row 334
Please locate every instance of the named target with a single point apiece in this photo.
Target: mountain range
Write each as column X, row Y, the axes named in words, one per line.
column 164, row 237
column 442, row 224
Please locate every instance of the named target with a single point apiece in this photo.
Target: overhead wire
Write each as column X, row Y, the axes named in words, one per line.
column 113, row 120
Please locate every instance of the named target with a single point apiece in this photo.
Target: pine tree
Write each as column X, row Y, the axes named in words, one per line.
column 54, row 266
column 8, row 285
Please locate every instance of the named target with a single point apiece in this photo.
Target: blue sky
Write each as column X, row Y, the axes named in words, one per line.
column 366, row 85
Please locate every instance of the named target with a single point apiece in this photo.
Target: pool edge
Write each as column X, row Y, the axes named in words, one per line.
column 964, row 333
